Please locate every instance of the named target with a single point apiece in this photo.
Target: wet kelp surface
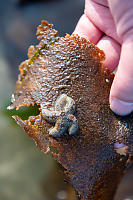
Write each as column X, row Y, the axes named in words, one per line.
column 73, row 66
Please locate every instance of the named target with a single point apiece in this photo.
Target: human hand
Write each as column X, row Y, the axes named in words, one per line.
column 109, row 25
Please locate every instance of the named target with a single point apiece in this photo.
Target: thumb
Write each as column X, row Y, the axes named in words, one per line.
column 121, row 94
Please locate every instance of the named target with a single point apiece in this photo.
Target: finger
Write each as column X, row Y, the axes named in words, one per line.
column 112, row 50
column 121, row 95
column 100, row 15
column 123, row 16
column 88, row 30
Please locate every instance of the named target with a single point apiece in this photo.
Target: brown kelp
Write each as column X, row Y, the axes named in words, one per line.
column 72, row 66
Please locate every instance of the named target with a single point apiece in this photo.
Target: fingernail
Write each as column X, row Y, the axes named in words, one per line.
column 121, row 107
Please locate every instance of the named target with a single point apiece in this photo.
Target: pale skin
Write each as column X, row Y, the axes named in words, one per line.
column 109, row 25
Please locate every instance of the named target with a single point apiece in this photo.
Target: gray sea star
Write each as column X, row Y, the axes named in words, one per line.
column 62, row 116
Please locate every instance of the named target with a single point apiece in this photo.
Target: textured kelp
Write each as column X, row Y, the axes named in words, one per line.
column 73, row 66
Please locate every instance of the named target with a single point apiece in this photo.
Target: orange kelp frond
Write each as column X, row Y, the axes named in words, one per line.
column 63, row 77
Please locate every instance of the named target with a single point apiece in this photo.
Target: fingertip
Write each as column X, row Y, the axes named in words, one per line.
column 112, row 50
column 118, row 145
column 121, row 107
column 85, row 28
column 121, row 94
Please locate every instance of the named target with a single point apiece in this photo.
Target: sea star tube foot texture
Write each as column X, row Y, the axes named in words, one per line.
column 62, row 116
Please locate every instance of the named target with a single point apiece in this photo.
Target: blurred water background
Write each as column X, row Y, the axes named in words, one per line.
column 25, row 172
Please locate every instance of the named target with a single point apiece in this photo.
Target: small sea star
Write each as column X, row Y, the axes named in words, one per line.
column 62, row 116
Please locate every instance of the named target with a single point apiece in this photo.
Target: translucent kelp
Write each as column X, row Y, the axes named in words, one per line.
column 71, row 65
